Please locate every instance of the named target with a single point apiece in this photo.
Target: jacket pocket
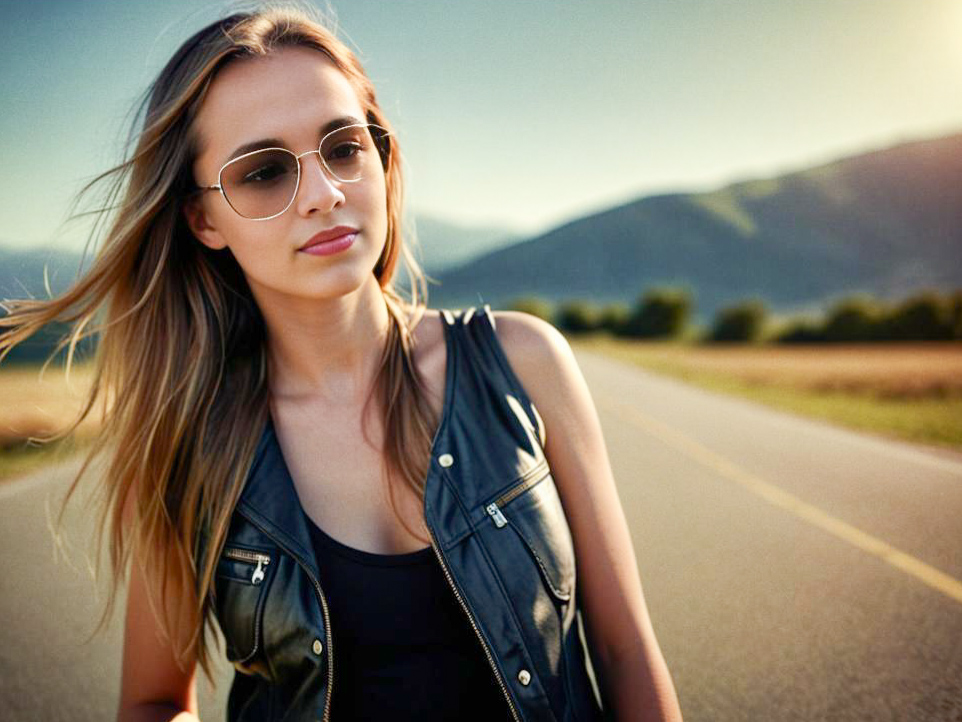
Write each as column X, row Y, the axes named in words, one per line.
column 532, row 510
column 525, row 532
column 241, row 584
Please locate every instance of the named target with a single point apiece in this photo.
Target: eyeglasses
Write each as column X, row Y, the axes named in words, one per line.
column 262, row 184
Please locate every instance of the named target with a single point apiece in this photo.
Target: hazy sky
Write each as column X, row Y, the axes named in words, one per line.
column 523, row 114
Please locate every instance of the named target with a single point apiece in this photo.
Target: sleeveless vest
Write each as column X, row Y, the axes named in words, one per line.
column 498, row 531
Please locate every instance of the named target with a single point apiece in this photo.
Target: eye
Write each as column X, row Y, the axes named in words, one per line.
column 265, row 173
column 345, row 151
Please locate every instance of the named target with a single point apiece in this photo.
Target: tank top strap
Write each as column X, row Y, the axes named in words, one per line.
column 480, row 354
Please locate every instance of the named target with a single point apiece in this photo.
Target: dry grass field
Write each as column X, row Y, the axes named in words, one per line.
column 911, row 370
column 911, row 391
column 35, row 407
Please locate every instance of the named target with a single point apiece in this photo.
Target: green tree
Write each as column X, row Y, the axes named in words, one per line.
column 577, row 316
column 739, row 322
column 659, row 313
column 858, row 317
column 613, row 318
column 924, row 316
column 954, row 303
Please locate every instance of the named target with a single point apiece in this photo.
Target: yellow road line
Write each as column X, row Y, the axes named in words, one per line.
column 925, row 573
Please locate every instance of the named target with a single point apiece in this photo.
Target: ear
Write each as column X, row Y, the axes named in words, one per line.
column 199, row 224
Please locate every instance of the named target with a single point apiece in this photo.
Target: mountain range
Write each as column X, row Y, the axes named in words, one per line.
column 886, row 222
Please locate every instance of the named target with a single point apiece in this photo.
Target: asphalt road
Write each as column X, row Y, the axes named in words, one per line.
column 793, row 570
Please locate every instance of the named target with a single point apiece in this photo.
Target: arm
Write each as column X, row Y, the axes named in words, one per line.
column 153, row 688
column 631, row 671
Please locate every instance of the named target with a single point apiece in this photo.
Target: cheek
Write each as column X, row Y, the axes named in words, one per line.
column 259, row 251
column 370, row 207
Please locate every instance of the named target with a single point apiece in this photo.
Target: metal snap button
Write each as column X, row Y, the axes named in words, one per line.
column 445, row 460
column 524, row 676
column 318, row 647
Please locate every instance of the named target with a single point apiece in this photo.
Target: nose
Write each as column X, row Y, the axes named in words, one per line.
column 317, row 190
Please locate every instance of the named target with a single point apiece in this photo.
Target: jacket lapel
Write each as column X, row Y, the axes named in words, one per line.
column 270, row 502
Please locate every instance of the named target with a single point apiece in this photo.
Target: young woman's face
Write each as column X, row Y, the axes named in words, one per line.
column 288, row 98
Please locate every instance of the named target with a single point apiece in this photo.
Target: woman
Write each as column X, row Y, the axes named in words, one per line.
column 383, row 507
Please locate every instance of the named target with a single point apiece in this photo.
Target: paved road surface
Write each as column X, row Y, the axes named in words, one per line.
column 794, row 571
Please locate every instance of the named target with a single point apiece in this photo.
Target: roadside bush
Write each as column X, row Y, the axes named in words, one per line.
column 577, row 316
column 855, row 318
column 954, row 304
column 923, row 317
column 613, row 318
column 660, row 313
column 740, row 322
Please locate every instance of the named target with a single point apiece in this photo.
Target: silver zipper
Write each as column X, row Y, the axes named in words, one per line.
column 330, row 645
column 248, row 556
column 494, row 508
column 487, row 652
column 327, row 623
column 495, row 512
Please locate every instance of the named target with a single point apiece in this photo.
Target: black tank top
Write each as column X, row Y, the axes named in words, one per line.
column 403, row 647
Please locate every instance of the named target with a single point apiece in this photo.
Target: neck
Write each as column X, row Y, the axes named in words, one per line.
column 327, row 349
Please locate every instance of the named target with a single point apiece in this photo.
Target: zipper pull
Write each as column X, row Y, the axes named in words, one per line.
column 495, row 513
column 258, row 576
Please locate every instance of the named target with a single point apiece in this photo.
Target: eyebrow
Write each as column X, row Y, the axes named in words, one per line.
column 277, row 143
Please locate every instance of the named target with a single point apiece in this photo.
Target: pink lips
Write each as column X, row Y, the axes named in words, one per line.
column 330, row 241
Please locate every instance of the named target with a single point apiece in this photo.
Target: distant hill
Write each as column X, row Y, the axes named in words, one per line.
column 22, row 271
column 443, row 244
column 885, row 222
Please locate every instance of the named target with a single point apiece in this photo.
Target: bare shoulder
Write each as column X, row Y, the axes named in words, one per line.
column 538, row 352
column 525, row 330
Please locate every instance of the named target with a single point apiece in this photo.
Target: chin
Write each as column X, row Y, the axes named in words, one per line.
column 339, row 284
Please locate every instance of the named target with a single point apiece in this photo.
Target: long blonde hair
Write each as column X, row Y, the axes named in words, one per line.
column 180, row 364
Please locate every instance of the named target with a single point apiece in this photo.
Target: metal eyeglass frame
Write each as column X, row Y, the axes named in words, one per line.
column 297, row 159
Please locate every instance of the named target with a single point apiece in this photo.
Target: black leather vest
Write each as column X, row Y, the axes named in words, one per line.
column 497, row 527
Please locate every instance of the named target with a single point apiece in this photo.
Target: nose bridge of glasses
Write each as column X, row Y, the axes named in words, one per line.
column 327, row 172
column 308, row 152
column 316, row 151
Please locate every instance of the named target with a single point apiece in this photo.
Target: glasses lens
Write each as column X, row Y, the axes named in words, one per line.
column 261, row 184
column 349, row 152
